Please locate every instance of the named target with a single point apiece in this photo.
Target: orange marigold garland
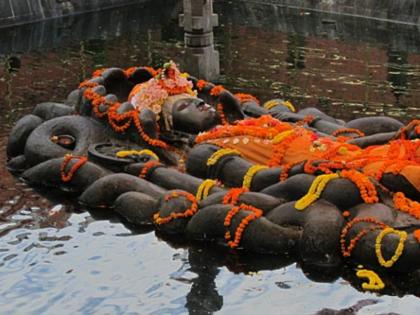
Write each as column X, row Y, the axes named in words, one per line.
column 346, row 251
column 233, row 195
column 286, row 169
column 145, row 137
column 280, row 149
column 67, row 177
column 366, row 187
column 128, row 72
column 402, row 133
column 98, row 72
column 416, row 234
column 346, row 214
column 256, row 213
column 307, row 120
column 339, row 149
column 201, row 84
column 407, row 205
column 348, row 130
column 87, row 84
column 328, row 167
column 247, row 127
column 113, row 117
column 242, row 97
column 219, row 109
column 175, row 215
column 146, row 168
column 216, row 90
column 153, row 72
column 377, row 175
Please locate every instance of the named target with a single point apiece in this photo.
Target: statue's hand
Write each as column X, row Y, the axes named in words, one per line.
column 231, row 106
column 149, row 122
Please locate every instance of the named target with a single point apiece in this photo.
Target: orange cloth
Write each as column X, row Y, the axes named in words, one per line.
column 400, row 156
column 253, row 149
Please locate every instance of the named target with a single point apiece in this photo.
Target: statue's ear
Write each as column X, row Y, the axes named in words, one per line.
column 140, row 75
column 231, row 106
column 148, row 120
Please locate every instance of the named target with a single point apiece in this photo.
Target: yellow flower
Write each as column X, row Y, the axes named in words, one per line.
column 270, row 104
column 315, row 191
column 250, row 175
column 125, row 153
column 398, row 251
column 343, row 150
column 216, row 156
column 281, row 136
column 375, row 282
column 204, row 189
column 290, row 106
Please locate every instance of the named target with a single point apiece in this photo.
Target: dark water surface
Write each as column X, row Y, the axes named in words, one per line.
column 57, row 259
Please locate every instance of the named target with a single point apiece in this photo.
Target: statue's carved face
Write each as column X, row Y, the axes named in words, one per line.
column 193, row 115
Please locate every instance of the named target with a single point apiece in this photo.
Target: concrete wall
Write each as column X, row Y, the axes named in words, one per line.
column 23, row 11
column 404, row 11
column 100, row 25
column 14, row 12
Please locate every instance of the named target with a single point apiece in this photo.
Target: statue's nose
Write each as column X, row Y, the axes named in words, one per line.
column 202, row 106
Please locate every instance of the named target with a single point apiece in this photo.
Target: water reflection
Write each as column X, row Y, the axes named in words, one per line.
column 296, row 52
column 397, row 74
column 203, row 297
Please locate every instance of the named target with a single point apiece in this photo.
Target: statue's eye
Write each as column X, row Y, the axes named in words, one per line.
column 183, row 106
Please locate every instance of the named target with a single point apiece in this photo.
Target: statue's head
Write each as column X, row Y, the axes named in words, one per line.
column 171, row 97
column 192, row 115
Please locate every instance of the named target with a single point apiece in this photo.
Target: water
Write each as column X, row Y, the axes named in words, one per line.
column 56, row 258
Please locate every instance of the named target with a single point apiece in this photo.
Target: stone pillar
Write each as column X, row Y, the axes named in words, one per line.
column 198, row 20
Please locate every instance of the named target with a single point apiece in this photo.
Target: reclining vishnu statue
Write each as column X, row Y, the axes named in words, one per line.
column 162, row 148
